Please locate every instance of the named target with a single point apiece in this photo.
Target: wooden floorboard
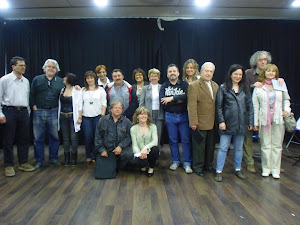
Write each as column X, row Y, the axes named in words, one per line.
column 65, row 195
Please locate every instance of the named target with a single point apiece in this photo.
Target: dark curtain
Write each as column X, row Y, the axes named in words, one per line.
column 2, row 52
column 80, row 45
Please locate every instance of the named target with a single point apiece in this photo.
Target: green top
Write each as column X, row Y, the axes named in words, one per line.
column 139, row 141
column 44, row 93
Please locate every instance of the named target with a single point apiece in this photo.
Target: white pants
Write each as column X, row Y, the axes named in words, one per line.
column 271, row 148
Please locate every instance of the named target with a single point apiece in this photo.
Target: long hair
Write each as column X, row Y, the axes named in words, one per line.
column 195, row 65
column 262, row 75
column 139, row 111
column 242, row 84
column 92, row 74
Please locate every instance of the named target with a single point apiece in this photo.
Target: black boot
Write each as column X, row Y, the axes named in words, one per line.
column 74, row 159
column 67, row 158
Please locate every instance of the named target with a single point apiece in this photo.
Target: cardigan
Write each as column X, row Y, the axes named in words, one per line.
column 139, row 142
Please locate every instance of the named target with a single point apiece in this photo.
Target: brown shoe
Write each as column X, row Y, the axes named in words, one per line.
column 282, row 170
column 9, row 171
column 26, row 167
column 251, row 168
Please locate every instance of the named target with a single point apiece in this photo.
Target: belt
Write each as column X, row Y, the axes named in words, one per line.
column 13, row 107
column 47, row 107
column 176, row 112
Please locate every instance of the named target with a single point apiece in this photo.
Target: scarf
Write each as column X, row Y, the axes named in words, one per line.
column 268, row 126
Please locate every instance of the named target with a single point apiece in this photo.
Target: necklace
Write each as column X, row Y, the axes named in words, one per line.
column 91, row 96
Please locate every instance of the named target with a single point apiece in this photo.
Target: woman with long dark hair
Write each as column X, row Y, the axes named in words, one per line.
column 235, row 117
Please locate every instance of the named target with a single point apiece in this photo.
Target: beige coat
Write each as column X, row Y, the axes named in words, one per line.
column 201, row 105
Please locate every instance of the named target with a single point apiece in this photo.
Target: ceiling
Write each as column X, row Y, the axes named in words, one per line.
column 165, row 9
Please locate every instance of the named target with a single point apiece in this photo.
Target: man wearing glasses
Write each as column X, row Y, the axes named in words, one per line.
column 14, row 115
column 44, row 95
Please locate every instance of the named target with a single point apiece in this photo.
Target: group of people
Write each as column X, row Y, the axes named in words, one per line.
column 126, row 120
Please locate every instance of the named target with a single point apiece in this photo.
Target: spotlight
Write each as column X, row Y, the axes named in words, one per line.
column 4, row 4
column 202, row 3
column 101, row 3
column 296, row 3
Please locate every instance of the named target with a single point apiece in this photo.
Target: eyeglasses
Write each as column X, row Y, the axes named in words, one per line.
column 138, row 75
column 264, row 59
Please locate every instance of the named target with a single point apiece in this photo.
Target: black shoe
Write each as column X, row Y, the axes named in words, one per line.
column 67, row 158
column 74, row 159
column 150, row 174
column 38, row 165
column 218, row 177
column 199, row 173
column 143, row 171
column 240, row 175
column 211, row 170
column 55, row 162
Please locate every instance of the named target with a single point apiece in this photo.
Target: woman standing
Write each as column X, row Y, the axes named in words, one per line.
column 93, row 107
column 235, row 117
column 144, row 140
column 190, row 71
column 70, row 117
column 150, row 99
column 103, row 81
column 270, row 106
column 139, row 76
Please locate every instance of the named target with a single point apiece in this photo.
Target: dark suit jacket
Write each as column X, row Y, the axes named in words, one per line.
column 201, row 105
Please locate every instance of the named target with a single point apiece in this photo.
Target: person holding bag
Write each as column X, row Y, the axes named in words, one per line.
column 270, row 107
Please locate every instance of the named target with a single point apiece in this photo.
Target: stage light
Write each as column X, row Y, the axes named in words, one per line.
column 202, row 3
column 296, row 3
column 101, row 3
column 4, row 4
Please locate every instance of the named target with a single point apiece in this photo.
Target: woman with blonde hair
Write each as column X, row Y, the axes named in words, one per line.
column 144, row 140
column 190, row 71
column 270, row 106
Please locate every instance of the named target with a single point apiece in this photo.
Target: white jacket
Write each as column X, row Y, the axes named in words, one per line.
column 260, row 105
column 76, row 103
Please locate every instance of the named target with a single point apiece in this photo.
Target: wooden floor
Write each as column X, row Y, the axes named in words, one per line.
column 61, row 195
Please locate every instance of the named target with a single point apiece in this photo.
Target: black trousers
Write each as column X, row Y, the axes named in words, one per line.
column 203, row 153
column 70, row 137
column 16, row 127
column 151, row 158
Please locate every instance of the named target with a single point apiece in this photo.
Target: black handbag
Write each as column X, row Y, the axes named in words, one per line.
column 105, row 167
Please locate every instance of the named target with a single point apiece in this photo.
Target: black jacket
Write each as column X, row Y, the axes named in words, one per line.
column 123, row 130
column 236, row 110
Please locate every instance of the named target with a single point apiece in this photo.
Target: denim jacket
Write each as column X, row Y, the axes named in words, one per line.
column 123, row 131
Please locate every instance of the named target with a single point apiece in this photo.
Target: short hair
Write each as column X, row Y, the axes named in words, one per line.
column 172, row 65
column 92, row 74
column 71, row 79
column 155, row 71
column 117, row 70
column 14, row 60
column 262, row 75
column 139, row 111
column 195, row 65
column 139, row 70
column 99, row 67
column 255, row 57
column 53, row 61
column 242, row 84
column 115, row 103
column 208, row 63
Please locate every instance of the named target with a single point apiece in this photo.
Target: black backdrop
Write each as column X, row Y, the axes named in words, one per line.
column 82, row 44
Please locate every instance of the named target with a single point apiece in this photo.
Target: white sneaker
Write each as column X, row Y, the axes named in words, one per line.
column 188, row 169
column 276, row 176
column 174, row 166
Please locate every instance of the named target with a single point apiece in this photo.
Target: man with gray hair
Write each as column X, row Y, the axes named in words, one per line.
column 257, row 62
column 201, row 107
column 44, row 95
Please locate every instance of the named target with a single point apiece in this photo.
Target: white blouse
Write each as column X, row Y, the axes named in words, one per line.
column 92, row 102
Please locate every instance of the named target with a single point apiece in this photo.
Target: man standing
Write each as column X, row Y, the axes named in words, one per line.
column 201, row 108
column 173, row 96
column 122, row 91
column 45, row 90
column 113, row 135
column 14, row 115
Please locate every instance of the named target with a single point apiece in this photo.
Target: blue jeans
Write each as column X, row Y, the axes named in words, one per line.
column 45, row 119
column 238, row 141
column 89, row 129
column 179, row 123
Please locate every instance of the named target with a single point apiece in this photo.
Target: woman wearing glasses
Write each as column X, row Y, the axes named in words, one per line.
column 140, row 77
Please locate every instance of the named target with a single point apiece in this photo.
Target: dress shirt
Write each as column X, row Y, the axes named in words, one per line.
column 14, row 91
column 210, row 88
